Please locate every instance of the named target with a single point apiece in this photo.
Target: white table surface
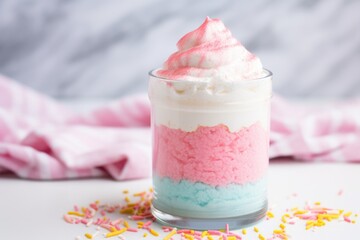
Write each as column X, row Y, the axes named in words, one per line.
column 34, row 209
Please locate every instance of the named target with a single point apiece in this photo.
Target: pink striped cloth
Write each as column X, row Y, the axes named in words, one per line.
column 41, row 139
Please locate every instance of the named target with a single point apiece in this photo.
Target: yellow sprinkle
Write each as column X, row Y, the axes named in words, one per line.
column 283, row 219
column 204, row 233
column 261, row 237
column 88, row 236
column 139, row 194
column 153, row 232
column 76, row 214
column 127, row 211
column 125, row 191
column 145, row 234
column 300, row 212
column 256, row 229
column 341, row 211
column 187, row 236
column 310, row 222
column 243, row 231
column 317, row 203
column 126, row 224
column 278, row 231
column 356, row 215
column 97, row 201
column 172, row 233
column 83, row 209
column 209, row 237
column 353, row 221
column 151, row 189
column 270, row 214
column 116, row 233
column 231, row 238
column 112, row 229
column 127, row 199
column 282, row 226
column 348, row 214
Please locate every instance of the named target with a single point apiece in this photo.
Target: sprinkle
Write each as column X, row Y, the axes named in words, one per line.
column 261, row 237
column 116, row 233
column 214, row 232
column 126, row 224
column 282, row 226
column 210, row 237
column 68, row 219
column 270, row 214
column 88, row 236
column 132, row 230
column 125, row 191
column 256, row 229
column 353, row 221
column 243, row 231
column 227, row 228
column 347, row 219
column 172, row 233
column 153, row 232
column 278, row 231
column 89, row 223
column 348, row 214
column 76, row 214
column 317, row 203
column 145, row 234
column 340, row 192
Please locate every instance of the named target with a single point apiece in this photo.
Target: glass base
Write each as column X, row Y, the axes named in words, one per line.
column 209, row 223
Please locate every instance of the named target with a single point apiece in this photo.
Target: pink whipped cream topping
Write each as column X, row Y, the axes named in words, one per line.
column 210, row 52
column 212, row 155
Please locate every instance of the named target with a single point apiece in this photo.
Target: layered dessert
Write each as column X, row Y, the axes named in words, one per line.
column 210, row 121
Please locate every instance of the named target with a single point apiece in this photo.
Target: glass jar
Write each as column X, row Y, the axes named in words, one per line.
column 210, row 151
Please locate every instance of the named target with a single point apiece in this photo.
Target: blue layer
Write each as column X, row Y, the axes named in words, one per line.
column 185, row 198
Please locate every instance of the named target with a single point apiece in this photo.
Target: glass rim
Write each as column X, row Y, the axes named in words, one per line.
column 268, row 74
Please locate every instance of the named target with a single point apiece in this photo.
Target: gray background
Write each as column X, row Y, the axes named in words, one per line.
column 92, row 49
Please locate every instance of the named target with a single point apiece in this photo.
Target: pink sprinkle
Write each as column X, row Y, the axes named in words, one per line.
column 347, row 219
column 117, row 221
column 340, row 192
column 227, row 228
column 77, row 221
column 76, row 208
column 135, row 217
column 292, row 222
column 197, row 233
column 214, row 232
column 167, row 227
column 89, row 223
column 187, row 231
column 68, row 219
column 94, row 206
column 132, row 230
column 235, row 234
column 106, row 226
column 103, row 213
column 84, row 221
column 148, row 223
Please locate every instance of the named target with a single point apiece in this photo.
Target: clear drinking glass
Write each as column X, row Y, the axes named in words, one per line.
column 210, row 151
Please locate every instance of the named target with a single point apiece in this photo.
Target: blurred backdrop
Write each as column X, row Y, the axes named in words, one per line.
column 96, row 49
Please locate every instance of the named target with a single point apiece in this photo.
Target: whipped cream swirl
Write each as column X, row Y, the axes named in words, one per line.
column 210, row 52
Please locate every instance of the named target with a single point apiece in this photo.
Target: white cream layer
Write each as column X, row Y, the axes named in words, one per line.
column 186, row 105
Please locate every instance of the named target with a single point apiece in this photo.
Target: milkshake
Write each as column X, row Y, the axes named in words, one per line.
column 210, row 122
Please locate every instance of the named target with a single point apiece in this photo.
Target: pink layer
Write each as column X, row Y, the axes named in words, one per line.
column 212, row 155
